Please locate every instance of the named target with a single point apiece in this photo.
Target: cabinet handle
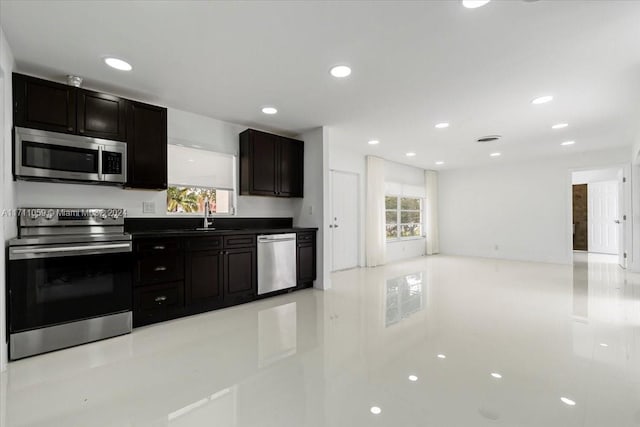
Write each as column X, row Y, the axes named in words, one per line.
column 158, row 247
column 160, row 268
column 161, row 298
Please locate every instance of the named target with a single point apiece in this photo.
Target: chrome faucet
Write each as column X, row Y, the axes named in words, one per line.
column 207, row 210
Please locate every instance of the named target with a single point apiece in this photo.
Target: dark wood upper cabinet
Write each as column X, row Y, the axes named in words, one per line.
column 146, row 146
column 290, row 164
column 101, row 115
column 41, row 104
column 270, row 165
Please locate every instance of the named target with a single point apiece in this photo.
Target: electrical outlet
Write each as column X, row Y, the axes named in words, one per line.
column 310, row 210
column 496, row 248
column 148, row 207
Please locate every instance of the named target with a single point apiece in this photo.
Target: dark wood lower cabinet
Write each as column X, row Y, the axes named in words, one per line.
column 240, row 279
column 176, row 277
column 306, row 259
column 204, row 278
column 155, row 303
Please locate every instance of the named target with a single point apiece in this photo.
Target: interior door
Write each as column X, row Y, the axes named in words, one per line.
column 580, row 218
column 604, row 225
column 622, row 218
column 344, row 220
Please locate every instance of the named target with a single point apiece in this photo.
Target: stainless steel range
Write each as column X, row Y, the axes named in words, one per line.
column 69, row 279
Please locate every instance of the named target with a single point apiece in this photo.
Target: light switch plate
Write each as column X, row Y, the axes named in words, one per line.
column 148, row 207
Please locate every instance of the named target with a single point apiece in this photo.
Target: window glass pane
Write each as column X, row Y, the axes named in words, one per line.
column 409, row 217
column 391, row 202
column 192, row 200
column 409, row 203
column 392, row 231
column 392, row 217
column 410, row 230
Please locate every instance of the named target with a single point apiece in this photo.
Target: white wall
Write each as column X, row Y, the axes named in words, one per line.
column 514, row 211
column 310, row 211
column 595, row 175
column 184, row 127
column 6, row 198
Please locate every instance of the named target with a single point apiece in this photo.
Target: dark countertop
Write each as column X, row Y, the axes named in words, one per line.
column 216, row 232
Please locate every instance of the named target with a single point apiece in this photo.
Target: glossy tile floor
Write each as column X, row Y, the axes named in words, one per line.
column 439, row 341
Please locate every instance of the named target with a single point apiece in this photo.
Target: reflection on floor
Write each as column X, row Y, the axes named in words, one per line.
column 438, row 341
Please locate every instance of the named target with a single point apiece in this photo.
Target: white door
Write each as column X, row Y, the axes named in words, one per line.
column 603, row 216
column 344, row 220
column 622, row 218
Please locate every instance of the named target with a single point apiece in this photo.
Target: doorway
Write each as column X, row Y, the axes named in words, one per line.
column 598, row 211
column 344, row 225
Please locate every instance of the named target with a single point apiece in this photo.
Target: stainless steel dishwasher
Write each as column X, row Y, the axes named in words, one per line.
column 276, row 262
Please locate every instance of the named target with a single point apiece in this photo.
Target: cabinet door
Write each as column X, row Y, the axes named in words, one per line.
column 290, row 180
column 204, row 277
column 262, row 162
column 306, row 263
column 240, row 279
column 40, row 104
column 101, row 115
column 146, row 146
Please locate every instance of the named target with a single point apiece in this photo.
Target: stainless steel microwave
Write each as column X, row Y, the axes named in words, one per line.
column 43, row 155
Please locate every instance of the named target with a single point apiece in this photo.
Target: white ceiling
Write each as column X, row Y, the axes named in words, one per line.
column 414, row 64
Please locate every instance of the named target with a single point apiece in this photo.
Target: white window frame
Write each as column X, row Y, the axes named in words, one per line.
column 234, row 190
column 399, row 211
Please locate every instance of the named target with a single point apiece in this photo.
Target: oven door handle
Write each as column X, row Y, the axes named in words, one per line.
column 68, row 250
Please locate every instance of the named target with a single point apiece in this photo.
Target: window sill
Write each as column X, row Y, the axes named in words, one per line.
column 405, row 239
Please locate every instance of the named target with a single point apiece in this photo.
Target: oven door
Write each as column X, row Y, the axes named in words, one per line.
column 54, row 285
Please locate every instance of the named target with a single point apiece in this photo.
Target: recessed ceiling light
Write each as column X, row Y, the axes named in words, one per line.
column 374, row 142
column 560, row 126
column 340, row 71
column 568, row 143
column 410, row 154
column 375, row 410
column 442, row 356
column 413, row 378
column 442, row 125
column 269, row 110
column 191, row 160
column 604, row 345
column 495, row 154
column 542, row 99
column 118, row 64
column 568, row 401
column 473, row 4
column 496, row 375
column 196, row 146
column 439, row 162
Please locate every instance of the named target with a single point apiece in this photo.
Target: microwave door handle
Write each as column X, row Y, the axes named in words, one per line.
column 100, row 149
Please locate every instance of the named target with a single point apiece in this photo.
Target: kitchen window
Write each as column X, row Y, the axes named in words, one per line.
column 197, row 175
column 403, row 217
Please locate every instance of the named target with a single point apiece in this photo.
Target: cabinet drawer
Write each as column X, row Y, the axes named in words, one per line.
column 240, row 241
column 158, row 246
column 306, row 237
column 160, row 296
column 156, row 303
column 160, row 268
column 204, row 243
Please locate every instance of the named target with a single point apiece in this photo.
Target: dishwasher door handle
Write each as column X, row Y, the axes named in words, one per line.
column 269, row 239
